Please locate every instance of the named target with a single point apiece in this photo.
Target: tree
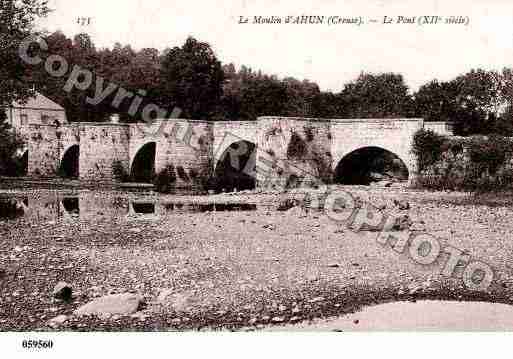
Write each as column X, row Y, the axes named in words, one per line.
column 472, row 101
column 377, row 96
column 300, row 96
column 436, row 101
column 327, row 105
column 9, row 145
column 192, row 79
column 248, row 94
column 16, row 23
column 504, row 109
column 263, row 96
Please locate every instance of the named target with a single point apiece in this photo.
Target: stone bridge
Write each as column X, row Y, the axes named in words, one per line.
column 269, row 151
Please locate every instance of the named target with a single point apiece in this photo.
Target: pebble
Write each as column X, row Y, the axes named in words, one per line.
column 57, row 321
column 316, row 300
column 63, row 291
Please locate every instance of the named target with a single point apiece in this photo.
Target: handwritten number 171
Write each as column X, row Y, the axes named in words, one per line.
column 84, row 21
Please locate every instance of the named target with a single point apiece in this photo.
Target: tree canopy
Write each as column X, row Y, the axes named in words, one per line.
column 191, row 77
column 377, row 96
column 16, row 23
column 477, row 102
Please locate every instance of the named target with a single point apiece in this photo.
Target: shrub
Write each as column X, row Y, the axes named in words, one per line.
column 297, row 147
column 203, row 178
column 9, row 209
column 183, row 174
column 427, row 147
column 322, row 163
column 165, row 179
column 193, row 174
column 288, row 203
column 491, row 152
column 272, row 132
column 15, row 167
column 484, row 166
column 293, row 181
column 309, row 133
column 119, row 172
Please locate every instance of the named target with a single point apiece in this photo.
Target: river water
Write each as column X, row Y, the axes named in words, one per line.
column 39, row 206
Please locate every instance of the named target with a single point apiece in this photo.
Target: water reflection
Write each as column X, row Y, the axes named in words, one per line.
column 71, row 205
column 89, row 205
column 10, row 208
column 143, row 208
column 209, row 207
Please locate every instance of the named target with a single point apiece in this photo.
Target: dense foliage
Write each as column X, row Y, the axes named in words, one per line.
column 10, row 144
column 16, row 23
column 477, row 163
column 427, row 147
column 119, row 172
column 165, row 179
column 478, row 102
column 192, row 79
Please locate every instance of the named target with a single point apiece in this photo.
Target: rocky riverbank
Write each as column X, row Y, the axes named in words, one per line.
column 240, row 269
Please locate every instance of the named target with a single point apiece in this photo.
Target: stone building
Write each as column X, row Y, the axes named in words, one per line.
column 38, row 110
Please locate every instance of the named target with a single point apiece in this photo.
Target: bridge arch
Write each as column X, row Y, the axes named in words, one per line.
column 142, row 165
column 365, row 164
column 70, row 162
column 236, row 167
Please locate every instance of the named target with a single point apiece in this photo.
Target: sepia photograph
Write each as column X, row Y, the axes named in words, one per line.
column 291, row 170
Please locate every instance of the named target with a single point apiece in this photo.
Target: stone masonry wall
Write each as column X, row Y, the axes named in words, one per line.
column 299, row 150
column 183, row 144
column 187, row 146
column 44, row 154
column 101, row 145
column 288, row 149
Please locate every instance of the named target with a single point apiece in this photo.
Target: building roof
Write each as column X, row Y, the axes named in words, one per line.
column 39, row 102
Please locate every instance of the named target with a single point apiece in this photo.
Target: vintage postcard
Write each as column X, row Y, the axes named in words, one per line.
column 254, row 166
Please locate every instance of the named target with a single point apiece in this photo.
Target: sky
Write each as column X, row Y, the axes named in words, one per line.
column 330, row 55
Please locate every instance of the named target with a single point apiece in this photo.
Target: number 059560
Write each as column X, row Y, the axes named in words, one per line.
column 37, row 344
